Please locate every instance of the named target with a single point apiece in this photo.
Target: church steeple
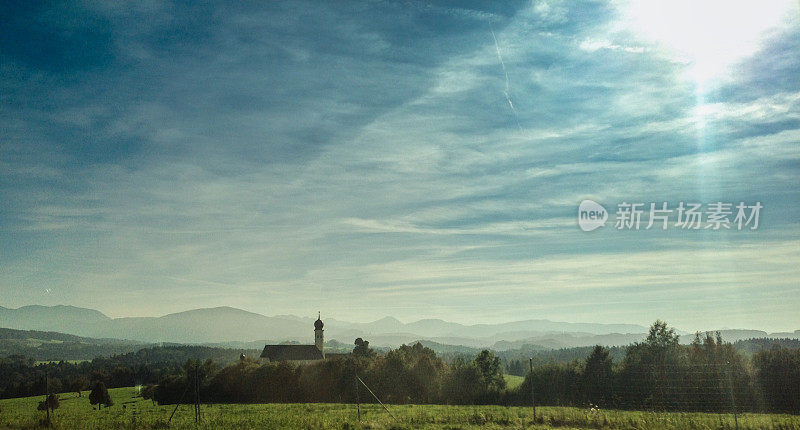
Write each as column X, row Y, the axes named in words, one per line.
column 319, row 340
column 318, row 323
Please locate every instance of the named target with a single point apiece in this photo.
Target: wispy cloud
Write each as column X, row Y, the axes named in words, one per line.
column 287, row 157
column 507, row 89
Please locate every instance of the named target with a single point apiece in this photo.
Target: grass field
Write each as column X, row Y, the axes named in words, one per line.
column 132, row 412
column 513, row 381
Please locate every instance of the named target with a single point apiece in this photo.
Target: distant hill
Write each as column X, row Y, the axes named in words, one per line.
column 729, row 335
column 443, row 349
column 53, row 346
column 195, row 326
column 569, row 340
column 734, row 336
column 222, row 325
column 56, row 337
column 749, row 347
column 226, row 324
column 68, row 319
column 205, row 325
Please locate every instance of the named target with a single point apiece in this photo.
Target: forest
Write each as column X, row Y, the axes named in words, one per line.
column 656, row 374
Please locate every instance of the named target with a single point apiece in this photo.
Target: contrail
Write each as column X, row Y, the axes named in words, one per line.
column 508, row 85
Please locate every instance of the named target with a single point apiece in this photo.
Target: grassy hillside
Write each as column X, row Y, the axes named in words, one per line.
column 54, row 346
column 130, row 411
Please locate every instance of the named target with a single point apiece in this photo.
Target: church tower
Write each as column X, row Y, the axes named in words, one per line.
column 319, row 340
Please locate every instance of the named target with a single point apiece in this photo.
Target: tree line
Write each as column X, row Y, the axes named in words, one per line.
column 655, row 374
column 660, row 374
column 21, row 376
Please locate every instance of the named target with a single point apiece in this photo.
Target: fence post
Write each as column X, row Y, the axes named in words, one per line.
column 533, row 398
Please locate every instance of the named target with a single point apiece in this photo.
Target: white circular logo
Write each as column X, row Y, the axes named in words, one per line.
column 591, row 215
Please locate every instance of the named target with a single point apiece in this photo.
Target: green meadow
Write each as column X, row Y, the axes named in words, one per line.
column 513, row 381
column 132, row 412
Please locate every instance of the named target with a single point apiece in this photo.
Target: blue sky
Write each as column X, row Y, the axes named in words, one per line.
column 414, row 159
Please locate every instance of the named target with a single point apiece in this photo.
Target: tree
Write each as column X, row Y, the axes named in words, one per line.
column 517, row 367
column 598, row 377
column 77, row 384
column 778, row 376
column 362, row 349
column 463, row 383
column 148, row 392
column 122, row 376
column 51, row 403
column 557, row 384
column 653, row 370
column 660, row 336
column 408, row 374
column 99, row 395
column 491, row 370
column 171, row 389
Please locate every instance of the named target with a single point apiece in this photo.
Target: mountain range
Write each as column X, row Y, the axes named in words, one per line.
column 226, row 325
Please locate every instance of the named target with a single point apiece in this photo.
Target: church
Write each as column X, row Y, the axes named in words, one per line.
column 298, row 354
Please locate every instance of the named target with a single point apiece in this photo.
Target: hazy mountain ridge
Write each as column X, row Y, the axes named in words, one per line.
column 49, row 318
column 194, row 326
column 227, row 324
column 56, row 346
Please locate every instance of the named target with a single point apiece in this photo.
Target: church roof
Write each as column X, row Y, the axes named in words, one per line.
column 291, row 352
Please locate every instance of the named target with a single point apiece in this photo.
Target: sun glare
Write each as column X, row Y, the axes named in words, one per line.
column 708, row 35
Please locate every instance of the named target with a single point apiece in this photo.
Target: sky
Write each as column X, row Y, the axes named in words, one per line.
column 412, row 159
